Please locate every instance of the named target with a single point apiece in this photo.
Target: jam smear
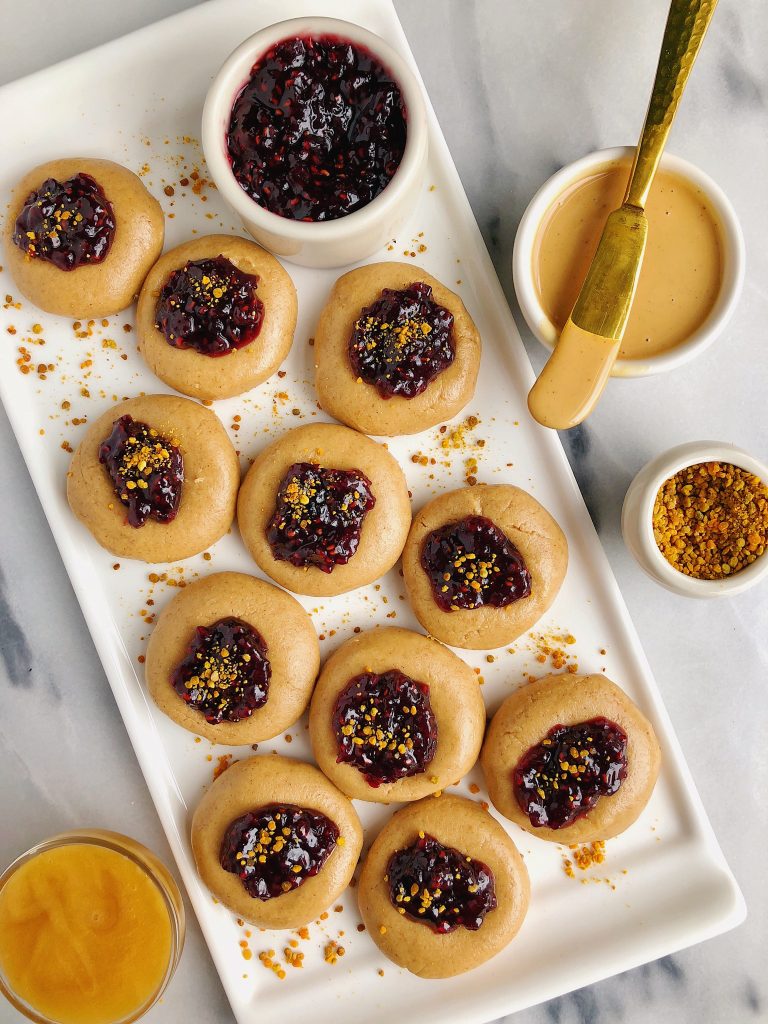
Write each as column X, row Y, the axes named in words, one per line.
column 146, row 470
column 210, row 306
column 276, row 848
column 440, row 886
column 385, row 726
column 225, row 673
column 318, row 130
column 472, row 563
column 319, row 515
column 402, row 341
column 562, row 778
column 69, row 223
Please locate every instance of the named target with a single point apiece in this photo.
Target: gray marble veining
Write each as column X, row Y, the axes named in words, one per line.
column 520, row 88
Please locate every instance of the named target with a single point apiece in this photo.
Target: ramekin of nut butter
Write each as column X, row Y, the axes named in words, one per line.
column 696, row 519
column 692, row 273
column 91, row 929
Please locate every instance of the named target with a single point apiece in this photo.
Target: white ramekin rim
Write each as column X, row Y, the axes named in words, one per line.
column 733, row 255
column 637, row 518
column 233, row 75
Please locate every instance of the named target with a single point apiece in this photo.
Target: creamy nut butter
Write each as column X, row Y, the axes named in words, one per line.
column 682, row 270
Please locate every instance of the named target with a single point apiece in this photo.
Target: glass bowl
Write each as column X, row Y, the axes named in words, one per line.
column 154, row 869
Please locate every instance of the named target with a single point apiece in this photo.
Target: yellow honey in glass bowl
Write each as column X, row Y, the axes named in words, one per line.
column 91, row 929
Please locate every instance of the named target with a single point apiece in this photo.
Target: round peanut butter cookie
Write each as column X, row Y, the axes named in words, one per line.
column 443, row 888
column 275, row 841
column 324, row 510
column 395, row 350
column 216, row 316
column 155, row 478
column 395, row 716
column 570, row 759
column 233, row 659
column 80, row 236
column 483, row 564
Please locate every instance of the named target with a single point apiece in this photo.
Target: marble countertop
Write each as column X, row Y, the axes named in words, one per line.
column 519, row 89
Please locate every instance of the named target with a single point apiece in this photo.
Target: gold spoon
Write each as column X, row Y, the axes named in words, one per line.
column 577, row 371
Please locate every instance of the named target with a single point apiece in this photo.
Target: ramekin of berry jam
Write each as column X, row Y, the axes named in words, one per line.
column 315, row 132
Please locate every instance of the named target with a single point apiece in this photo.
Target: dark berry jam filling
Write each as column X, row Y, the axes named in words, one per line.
column 472, row 563
column 275, row 849
column 210, row 306
column 69, row 223
column 562, row 778
column 318, row 130
column 440, row 886
column 225, row 673
column 385, row 726
column 402, row 341
column 146, row 470
column 319, row 515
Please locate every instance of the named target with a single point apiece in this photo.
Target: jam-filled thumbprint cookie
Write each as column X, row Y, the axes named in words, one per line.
column 443, row 888
column 81, row 235
column 275, row 842
column 324, row 510
column 216, row 317
column 483, row 564
column 233, row 659
column 155, row 478
column 570, row 759
column 396, row 351
column 395, row 716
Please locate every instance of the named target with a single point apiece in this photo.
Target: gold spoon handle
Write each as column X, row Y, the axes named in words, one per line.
column 687, row 23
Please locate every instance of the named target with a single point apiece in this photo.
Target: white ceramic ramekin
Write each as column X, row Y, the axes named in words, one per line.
column 325, row 243
column 732, row 254
column 637, row 524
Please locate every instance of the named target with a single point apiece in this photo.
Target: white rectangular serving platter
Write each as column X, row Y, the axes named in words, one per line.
column 664, row 884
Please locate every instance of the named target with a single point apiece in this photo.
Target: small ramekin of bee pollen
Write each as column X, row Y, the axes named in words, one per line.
column 91, row 929
column 696, row 519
